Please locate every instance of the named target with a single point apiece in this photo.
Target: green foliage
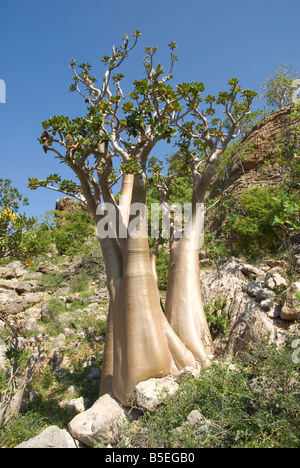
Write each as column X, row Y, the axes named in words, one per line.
column 252, row 404
column 289, row 218
column 22, row 428
column 217, row 316
column 262, row 220
column 64, row 233
column 215, row 248
column 162, row 268
column 71, row 231
column 38, row 241
column 52, row 281
column 92, row 264
column 277, row 89
column 10, row 196
column 13, row 224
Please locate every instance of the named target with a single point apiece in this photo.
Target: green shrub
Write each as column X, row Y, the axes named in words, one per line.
column 71, row 231
column 13, row 224
column 62, row 233
column 20, row 429
column 261, row 219
column 52, row 281
column 251, row 404
column 92, row 264
column 162, row 268
column 55, row 307
column 38, row 241
column 217, row 316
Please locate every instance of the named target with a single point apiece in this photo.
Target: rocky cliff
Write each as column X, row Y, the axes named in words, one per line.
column 263, row 143
column 252, row 161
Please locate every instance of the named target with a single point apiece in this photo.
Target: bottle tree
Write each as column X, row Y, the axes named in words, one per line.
column 113, row 143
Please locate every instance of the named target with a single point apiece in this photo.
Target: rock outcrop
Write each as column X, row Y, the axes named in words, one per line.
column 253, row 310
column 248, row 167
column 69, row 204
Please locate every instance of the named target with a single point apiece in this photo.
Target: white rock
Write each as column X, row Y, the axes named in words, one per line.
column 273, row 280
column 149, row 394
column 77, row 405
column 290, row 304
column 264, row 294
column 52, row 437
column 267, row 304
column 279, row 280
column 252, row 288
column 100, row 424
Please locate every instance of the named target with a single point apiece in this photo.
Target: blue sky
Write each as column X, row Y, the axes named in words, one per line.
column 217, row 40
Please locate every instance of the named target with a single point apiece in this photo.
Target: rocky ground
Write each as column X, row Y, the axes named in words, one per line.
column 61, row 322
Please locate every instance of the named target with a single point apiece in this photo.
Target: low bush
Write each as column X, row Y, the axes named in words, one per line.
column 250, row 404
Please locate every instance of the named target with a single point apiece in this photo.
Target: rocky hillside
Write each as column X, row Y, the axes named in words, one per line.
column 60, row 325
column 53, row 320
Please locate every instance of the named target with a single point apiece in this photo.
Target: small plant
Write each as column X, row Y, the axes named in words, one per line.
column 92, row 264
column 217, row 316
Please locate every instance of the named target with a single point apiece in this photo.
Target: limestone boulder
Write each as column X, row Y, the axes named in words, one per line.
column 99, row 425
column 150, row 393
column 290, row 304
column 52, row 437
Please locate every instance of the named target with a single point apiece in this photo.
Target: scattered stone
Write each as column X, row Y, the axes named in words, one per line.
column 35, row 276
column 46, row 313
column 14, row 269
column 7, row 284
column 68, row 332
column 2, row 354
column 290, row 304
column 77, row 405
column 252, row 271
column 7, row 295
column 273, row 280
column 52, row 437
column 247, row 322
column 30, row 325
column 274, row 312
column 276, row 263
column 58, row 341
column 267, row 304
column 269, row 281
column 264, row 294
column 46, row 268
column 251, row 288
column 190, row 371
column 203, row 428
column 32, row 298
column 24, row 287
column 279, row 280
column 15, row 307
column 73, row 297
